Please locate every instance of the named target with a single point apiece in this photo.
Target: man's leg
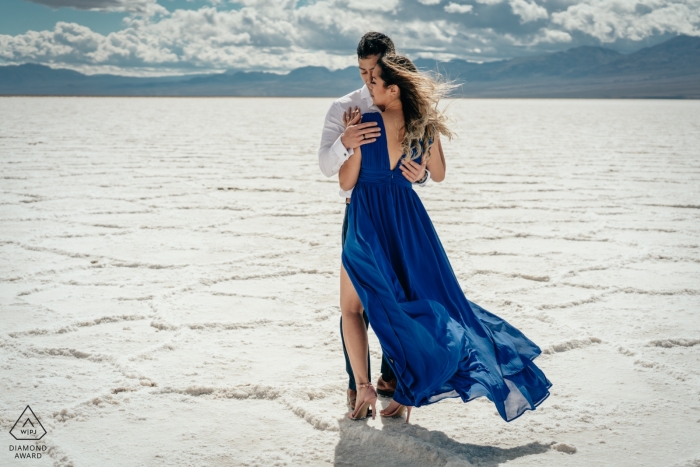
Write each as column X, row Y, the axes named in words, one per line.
column 386, row 384
column 387, row 372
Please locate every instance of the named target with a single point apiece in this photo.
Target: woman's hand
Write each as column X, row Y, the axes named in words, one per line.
column 412, row 171
column 356, row 134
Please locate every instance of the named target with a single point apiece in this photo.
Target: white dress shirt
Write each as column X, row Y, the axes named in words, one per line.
column 332, row 154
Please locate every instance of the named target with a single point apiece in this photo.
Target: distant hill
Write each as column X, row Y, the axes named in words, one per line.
column 667, row 70
column 31, row 79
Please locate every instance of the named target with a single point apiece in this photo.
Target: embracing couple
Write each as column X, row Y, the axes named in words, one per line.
column 382, row 140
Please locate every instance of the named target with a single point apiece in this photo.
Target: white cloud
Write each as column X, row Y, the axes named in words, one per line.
column 374, row 5
column 429, row 2
column 276, row 35
column 528, row 10
column 490, row 2
column 263, row 38
column 609, row 20
column 147, row 7
column 457, row 8
column 267, row 4
column 551, row 36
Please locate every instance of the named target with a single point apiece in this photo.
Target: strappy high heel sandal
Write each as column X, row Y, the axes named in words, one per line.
column 399, row 412
column 361, row 407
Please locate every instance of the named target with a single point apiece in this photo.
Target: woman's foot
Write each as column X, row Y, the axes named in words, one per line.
column 396, row 410
column 352, row 397
column 365, row 402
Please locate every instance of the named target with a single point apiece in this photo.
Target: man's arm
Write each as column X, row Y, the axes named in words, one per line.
column 332, row 153
column 336, row 138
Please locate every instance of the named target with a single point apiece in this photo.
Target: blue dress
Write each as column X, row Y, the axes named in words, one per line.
column 438, row 343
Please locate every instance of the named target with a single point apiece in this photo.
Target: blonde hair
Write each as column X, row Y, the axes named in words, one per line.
column 420, row 94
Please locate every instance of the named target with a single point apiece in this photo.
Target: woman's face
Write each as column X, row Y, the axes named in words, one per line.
column 381, row 95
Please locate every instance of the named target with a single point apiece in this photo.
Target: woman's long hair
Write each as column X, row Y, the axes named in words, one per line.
column 420, row 94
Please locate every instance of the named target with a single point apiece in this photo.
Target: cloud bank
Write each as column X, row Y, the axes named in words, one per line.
column 285, row 34
column 148, row 7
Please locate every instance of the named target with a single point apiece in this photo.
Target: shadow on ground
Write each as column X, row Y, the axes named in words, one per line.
column 408, row 445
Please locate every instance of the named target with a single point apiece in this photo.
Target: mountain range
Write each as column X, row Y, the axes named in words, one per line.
column 667, row 70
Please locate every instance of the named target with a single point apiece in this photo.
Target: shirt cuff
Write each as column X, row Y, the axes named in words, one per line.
column 341, row 151
column 426, row 179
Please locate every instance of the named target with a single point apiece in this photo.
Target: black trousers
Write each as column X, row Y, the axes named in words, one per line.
column 387, row 372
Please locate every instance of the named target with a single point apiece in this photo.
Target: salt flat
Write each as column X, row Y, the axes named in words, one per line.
column 169, row 283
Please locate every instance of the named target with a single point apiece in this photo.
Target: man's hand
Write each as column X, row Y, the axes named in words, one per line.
column 412, row 171
column 356, row 134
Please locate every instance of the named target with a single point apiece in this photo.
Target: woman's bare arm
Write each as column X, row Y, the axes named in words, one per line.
column 350, row 170
column 436, row 164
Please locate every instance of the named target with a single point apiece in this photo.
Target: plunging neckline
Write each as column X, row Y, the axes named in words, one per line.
column 386, row 141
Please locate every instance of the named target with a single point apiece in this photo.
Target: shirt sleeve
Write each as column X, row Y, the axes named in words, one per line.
column 332, row 154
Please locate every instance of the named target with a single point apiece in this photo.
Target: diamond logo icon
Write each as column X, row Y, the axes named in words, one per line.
column 28, row 427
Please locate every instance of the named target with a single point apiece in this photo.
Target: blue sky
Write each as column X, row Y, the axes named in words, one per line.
column 147, row 37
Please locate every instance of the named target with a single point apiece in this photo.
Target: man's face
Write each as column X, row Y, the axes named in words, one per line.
column 366, row 66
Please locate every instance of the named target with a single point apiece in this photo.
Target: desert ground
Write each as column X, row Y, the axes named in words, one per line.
column 169, row 283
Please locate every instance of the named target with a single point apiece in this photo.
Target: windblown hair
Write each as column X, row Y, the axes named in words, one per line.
column 375, row 43
column 420, row 94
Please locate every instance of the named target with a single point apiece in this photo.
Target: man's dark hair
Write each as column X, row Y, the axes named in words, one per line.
column 375, row 43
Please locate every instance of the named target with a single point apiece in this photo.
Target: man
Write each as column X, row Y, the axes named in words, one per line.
column 337, row 142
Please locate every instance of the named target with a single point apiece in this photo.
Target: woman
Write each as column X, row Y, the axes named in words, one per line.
column 439, row 344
